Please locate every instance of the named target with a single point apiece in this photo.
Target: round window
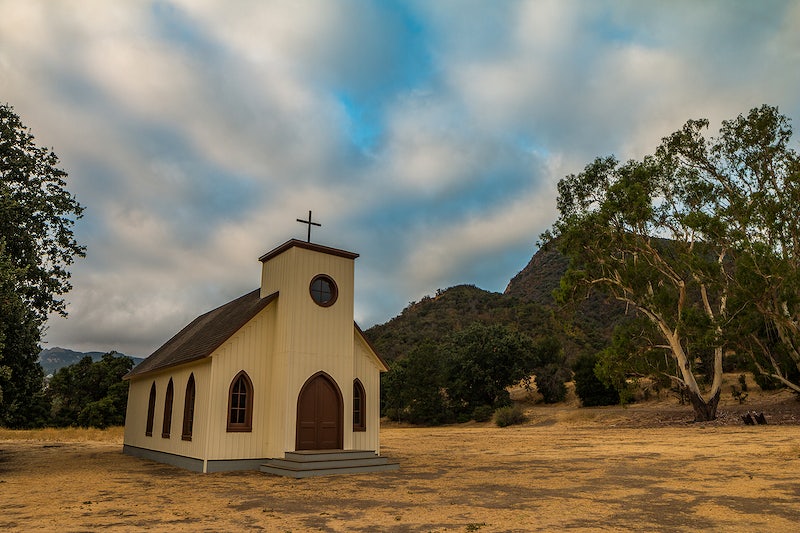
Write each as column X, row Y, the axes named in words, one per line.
column 323, row 290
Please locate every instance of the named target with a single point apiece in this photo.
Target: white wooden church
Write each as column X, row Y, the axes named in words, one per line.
column 280, row 379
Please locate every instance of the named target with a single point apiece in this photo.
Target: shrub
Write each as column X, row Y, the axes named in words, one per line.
column 100, row 414
column 483, row 413
column 738, row 395
column 766, row 382
column 393, row 414
column 550, row 382
column 588, row 387
column 743, row 382
column 508, row 416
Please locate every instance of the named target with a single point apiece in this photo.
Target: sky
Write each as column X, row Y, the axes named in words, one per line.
column 428, row 137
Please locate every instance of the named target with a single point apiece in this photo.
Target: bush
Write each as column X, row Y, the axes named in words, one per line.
column 392, row 414
column 588, row 387
column 483, row 413
column 766, row 382
column 509, row 416
column 550, row 383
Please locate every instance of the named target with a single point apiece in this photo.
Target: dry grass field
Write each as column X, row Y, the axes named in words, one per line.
column 644, row 468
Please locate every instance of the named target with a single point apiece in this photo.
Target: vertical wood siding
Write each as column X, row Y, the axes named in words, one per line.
column 250, row 349
column 366, row 369
column 309, row 338
column 136, row 415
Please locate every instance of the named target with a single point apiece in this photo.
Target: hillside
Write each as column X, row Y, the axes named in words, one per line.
column 540, row 277
column 589, row 324
column 53, row 359
column 526, row 305
column 452, row 310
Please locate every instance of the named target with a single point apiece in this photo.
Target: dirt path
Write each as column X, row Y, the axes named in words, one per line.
column 552, row 474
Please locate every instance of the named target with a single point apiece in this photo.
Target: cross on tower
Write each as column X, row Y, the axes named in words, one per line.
column 309, row 224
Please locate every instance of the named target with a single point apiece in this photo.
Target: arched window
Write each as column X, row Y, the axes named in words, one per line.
column 167, row 425
column 359, row 407
column 151, row 411
column 240, row 403
column 188, row 410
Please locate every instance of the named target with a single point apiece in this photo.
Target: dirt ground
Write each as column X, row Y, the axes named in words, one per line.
column 644, row 468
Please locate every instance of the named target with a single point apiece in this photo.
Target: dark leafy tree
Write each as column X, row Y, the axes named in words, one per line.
column 467, row 375
column 37, row 214
column 36, row 247
column 414, row 388
column 550, row 382
column 588, row 386
column 483, row 361
column 634, row 353
column 22, row 401
column 91, row 393
column 551, row 370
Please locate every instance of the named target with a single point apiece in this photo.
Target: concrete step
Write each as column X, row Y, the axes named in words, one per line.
column 327, row 462
column 328, row 455
column 299, row 474
column 340, row 463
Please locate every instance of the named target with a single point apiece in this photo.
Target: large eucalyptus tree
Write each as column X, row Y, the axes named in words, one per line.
column 629, row 231
column 703, row 240
column 752, row 176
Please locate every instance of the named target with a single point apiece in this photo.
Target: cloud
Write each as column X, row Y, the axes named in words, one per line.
column 426, row 136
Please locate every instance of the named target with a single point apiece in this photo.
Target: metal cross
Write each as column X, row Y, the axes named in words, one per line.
column 309, row 224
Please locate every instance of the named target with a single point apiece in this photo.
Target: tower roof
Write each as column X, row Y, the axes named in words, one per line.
column 294, row 243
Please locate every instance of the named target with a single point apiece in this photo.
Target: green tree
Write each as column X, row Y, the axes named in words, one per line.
column 483, row 361
column 91, row 393
column 22, row 402
column 753, row 181
column 588, row 386
column 416, row 387
column 630, row 230
column 36, row 247
column 465, row 376
column 551, row 370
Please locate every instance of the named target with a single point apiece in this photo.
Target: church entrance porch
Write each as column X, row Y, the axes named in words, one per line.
column 319, row 415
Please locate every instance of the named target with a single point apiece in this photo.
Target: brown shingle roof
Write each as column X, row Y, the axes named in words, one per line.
column 204, row 334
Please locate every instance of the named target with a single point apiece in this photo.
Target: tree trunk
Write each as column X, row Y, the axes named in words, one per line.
column 704, row 411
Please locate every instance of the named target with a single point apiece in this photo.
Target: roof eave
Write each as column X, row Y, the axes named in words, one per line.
column 264, row 302
column 371, row 347
column 295, row 243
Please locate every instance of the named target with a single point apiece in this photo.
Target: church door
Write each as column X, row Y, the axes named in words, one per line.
column 319, row 415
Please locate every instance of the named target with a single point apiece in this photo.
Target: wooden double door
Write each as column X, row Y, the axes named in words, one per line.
column 319, row 414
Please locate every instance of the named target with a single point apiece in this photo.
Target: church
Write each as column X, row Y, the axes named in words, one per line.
column 281, row 379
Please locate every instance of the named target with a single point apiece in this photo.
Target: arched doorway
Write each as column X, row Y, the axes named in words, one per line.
column 319, row 414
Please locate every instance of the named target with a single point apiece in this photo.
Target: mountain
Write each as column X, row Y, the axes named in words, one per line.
column 540, row 277
column 526, row 305
column 435, row 317
column 53, row 359
column 589, row 324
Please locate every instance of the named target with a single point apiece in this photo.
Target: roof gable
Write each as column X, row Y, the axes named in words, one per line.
column 381, row 362
column 204, row 334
